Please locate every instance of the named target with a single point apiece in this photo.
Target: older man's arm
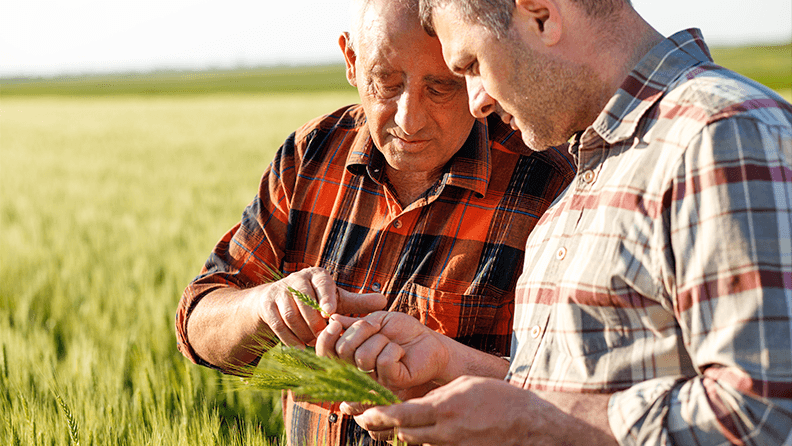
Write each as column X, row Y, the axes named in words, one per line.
column 227, row 325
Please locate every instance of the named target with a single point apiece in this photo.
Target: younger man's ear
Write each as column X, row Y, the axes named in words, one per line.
column 350, row 57
column 540, row 18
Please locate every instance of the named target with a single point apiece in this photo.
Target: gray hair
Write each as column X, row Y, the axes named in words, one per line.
column 496, row 15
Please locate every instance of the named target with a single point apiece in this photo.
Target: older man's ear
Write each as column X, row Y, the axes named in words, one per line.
column 350, row 57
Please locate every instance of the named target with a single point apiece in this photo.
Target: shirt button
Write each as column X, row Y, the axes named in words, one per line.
column 588, row 176
column 376, row 286
column 397, row 224
column 561, row 253
column 332, row 418
column 535, row 331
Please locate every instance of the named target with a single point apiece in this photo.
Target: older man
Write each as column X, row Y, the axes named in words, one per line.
column 405, row 202
column 655, row 304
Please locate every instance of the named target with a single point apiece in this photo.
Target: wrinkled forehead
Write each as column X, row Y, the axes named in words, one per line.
column 386, row 22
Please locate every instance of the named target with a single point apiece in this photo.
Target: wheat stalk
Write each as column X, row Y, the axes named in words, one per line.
column 313, row 377
column 74, row 432
column 304, row 298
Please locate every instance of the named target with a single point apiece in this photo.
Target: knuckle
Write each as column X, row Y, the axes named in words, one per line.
column 289, row 314
column 276, row 325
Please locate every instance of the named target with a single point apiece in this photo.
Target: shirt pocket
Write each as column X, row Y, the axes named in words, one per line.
column 452, row 314
column 589, row 331
column 293, row 267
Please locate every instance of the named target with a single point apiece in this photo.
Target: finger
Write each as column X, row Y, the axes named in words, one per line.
column 410, row 414
column 325, row 290
column 381, row 435
column 366, row 356
column 272, row 317
column 424, row 434
column 352, row 408
column 306, row 282
column 354, row 303
column 326, row 341
column 312, row 318
column 292, row 317
column 390, row 370
column 354, row 336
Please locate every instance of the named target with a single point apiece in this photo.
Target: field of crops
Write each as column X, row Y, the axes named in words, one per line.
column 108, row 207
column 113, row 191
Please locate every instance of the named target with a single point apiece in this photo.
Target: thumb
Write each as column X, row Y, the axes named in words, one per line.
column 355, row 303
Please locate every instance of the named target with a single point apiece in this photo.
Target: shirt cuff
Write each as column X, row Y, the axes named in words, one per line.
column 636, row 415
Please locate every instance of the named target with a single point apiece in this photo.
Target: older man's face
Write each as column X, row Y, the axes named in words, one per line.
column 416, row 108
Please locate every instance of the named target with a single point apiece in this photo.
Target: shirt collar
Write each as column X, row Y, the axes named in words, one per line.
column 469, row 168
column 648, row 82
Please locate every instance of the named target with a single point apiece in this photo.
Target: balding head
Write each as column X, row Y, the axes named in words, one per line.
column 360, row 8
column 415, row 107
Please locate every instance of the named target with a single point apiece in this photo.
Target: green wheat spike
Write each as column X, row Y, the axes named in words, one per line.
column 314, row 377
column 304, row 298
column 74, row 428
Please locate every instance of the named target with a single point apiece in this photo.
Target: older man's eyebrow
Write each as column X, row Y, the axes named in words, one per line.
column 447, row 81
column 383, row 72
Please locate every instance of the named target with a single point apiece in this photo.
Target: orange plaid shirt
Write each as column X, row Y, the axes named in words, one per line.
column 451, row 259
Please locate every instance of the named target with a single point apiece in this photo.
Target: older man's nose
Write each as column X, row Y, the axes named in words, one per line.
column 480, row 102
column 410, row 115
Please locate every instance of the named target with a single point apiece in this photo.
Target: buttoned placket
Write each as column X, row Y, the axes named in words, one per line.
column 400, row 220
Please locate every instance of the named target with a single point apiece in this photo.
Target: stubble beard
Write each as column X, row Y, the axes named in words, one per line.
column 550, row 97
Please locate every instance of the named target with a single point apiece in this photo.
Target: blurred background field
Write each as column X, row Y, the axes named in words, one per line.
column 108, row 207
column 113, row 190
column 770, row 65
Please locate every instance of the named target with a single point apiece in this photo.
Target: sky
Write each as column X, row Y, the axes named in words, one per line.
column 56, row 37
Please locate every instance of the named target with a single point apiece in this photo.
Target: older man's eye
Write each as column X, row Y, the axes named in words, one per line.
column 441, row 92
column 472, row 69
column 387, row 91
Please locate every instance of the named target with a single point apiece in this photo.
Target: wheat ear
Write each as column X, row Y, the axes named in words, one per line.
column 74, row 428
column 302, row 297
column 314, row 377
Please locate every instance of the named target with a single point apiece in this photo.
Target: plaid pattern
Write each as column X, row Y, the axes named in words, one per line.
column 451, row 259
column 664, row 272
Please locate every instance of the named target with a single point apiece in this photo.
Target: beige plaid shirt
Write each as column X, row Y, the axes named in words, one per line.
column 663, row 274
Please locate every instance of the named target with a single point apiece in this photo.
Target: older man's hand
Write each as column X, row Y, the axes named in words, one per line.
column 297, row 324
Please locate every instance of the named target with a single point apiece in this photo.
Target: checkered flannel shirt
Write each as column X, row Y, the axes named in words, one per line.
column 451, row 258
column 663, row 274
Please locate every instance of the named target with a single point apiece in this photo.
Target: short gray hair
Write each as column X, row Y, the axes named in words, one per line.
column 496, row 15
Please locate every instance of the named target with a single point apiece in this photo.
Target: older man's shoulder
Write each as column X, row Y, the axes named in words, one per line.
column 349, row 117
column 505, row 139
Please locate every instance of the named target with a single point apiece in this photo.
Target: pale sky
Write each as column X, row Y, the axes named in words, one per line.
column 49, row 37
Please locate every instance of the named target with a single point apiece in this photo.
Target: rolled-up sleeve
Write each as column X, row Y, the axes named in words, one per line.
column 241, row 258
column 729, row 275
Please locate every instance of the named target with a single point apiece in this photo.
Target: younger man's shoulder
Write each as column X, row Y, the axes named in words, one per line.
column 712, row 93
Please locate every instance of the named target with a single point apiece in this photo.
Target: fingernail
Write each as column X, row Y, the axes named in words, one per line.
column 326, row 308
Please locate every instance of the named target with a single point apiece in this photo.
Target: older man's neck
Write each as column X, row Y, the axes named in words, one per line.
column 409, row 186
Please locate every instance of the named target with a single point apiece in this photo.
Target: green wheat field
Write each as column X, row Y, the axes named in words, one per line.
column 113, row 190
